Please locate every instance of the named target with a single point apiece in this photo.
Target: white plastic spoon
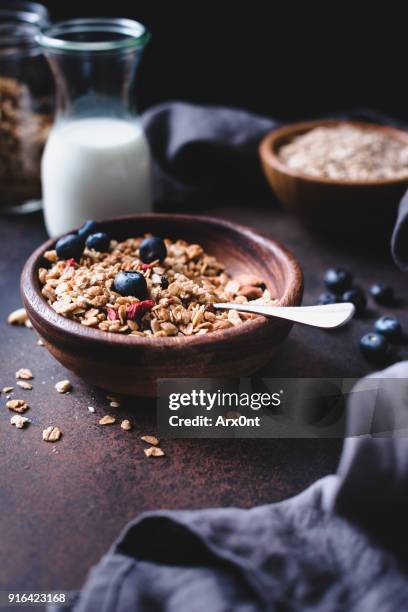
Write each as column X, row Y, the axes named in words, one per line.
column 327, row 316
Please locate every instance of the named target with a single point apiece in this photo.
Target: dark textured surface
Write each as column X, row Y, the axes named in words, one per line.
column 61, row 505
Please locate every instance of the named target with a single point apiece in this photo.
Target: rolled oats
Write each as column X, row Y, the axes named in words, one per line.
column 154, row 451
column 24, row 385
column 63, row 386
column 19, row 421
column 7, row 389
column 151, row 440
column 17, row 405
column 51, row 434
column 181, row 290
column 126, row 425
column 17, row 317
column 24, row 374
column 107, row 420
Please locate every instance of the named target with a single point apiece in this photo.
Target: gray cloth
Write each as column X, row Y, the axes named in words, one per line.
column 339, row 545
column 201, row 152
column 400, row 236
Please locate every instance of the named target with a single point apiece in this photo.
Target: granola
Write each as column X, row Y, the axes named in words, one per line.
column 180, row 290
column 51, row 434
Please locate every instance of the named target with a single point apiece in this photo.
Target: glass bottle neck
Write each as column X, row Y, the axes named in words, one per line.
column 94, row 85
column 94, row 63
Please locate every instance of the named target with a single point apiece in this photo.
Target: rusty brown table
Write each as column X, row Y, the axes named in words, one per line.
column 62, row 505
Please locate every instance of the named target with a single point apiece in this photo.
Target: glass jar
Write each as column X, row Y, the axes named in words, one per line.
column 26, row 102
column 96, row 162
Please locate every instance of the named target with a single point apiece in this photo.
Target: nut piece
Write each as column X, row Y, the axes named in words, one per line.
column 24, row 385
column 17, row 317
column 17, row 405
column 108, row 419
column 51, row 434
column 153, row 451
column 126, row 425
column 19, row 421
column 63, row 386
column 24, row 374
column 151, row 440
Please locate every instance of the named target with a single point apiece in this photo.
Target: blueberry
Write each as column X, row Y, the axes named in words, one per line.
column 327, row 298
column 374, row 346
column 356, row 296
column 99, row 241
column 151, row 249
column 389, row 327
column 382, row 293
column 130, row 283
column 164, row 282
column 69, row 247
column 88, row 228
column 338, row 280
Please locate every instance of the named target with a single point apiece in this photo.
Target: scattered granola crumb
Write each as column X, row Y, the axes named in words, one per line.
column 28, row 324
column 126, row 425
column 91, row 409
column 17, row 405
column 114, row 405
column 151, row 440
column 108, row 419
column 63, row 386
column 7, row 389
column 17, row 317
column 24, row 374
column 51, row 434
column 24, row 385
column 153, row 451
column 19, row 421
column 40, row 342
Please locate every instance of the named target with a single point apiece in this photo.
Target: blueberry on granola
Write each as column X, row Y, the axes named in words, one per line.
column 338, row 280
column 151, row 249
column 69, row 247
column 130, row 283
column 99, row 241
column 88, row 228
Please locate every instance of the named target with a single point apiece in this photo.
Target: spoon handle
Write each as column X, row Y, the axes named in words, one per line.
column 326, row 316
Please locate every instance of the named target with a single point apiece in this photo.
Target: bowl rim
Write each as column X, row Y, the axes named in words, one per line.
column 270, row 144
column 33, row 299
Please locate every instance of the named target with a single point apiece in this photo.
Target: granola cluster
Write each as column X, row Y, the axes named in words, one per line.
column 181, row 290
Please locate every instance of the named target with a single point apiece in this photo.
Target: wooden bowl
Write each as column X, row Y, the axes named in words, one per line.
column 333, row 206
column 132, row 364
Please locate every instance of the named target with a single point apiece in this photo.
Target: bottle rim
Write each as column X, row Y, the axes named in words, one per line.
column 22, row 12
column 71, row 35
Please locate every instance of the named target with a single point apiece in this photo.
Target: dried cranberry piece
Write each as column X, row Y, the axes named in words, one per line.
column 136, row 311
column 70, row 263
column 145, row 266
column 113, row 314
column 209, row 307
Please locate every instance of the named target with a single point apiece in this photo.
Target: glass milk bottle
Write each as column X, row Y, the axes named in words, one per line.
column 96, row 162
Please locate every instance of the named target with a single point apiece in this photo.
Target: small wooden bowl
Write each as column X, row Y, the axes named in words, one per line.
column 333, row 206
column 132, row 364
